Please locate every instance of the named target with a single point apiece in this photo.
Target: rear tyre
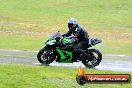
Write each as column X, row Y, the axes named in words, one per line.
column 94, row 59
column 45, row 56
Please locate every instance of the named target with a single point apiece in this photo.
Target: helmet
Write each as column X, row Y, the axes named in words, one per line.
column 72, row 22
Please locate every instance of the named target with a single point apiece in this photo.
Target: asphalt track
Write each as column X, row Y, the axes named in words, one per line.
column 109, row 62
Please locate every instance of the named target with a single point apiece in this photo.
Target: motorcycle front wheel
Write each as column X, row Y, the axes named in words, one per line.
column 45, row 56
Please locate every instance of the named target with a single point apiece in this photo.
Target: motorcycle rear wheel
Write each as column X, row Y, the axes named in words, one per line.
column 94, row 60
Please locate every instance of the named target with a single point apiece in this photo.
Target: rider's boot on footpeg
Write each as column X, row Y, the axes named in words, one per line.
column 80, row 51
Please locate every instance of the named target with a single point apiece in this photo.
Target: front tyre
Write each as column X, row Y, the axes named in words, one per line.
column 94, row 59
column 45, row 56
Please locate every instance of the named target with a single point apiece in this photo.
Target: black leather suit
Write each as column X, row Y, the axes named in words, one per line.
column 82, row 35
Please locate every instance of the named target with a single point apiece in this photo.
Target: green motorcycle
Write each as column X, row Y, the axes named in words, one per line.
column 60, row 49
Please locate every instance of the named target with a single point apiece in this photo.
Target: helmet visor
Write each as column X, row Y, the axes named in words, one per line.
column 70, row 25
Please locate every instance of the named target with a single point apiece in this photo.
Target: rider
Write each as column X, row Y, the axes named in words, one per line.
column 76, row 30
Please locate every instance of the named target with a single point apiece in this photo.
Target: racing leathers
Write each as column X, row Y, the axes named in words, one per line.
column 82, row 36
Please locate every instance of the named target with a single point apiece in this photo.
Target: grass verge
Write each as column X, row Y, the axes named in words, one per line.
column 25, row 76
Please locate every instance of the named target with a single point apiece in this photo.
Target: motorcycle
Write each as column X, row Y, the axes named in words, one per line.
column 60, row 49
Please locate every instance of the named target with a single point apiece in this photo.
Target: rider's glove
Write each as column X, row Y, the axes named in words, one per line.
column 63, row 35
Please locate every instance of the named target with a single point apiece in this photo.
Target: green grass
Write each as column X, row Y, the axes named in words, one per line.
column 115, row 47
column 21, row 42
column 35, row 20
column 24, row 76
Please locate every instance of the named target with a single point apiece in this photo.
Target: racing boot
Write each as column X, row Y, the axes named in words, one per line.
column 84, row 54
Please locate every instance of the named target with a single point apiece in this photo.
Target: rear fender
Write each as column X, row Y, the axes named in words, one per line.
column 94, row 41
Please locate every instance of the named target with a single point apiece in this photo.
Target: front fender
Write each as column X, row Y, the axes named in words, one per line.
column 47, row 46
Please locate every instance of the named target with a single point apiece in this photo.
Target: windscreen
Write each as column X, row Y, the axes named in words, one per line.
column 55, row 35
